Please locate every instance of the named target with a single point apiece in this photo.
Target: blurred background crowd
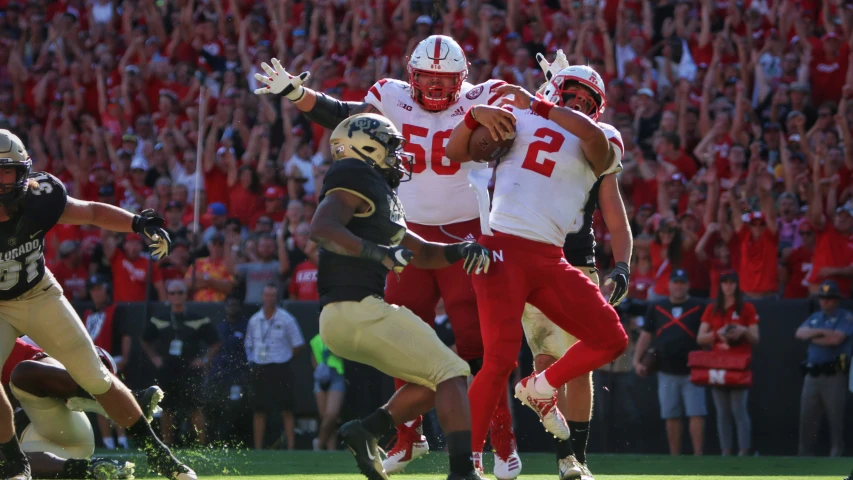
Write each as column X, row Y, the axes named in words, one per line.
column 720, row 104
column 734, row 115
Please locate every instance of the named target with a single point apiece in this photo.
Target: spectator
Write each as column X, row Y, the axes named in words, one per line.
column 173, row 342
column 669, row 335
column 270, row 267
column 830, row 336
column 69, row 270
column 174, row 222
column 329, row 390
column 730, row 324
column 273, row 339
column 209, row 277
column 229, row 371
column 833, row 258
column 798, row 264
column 218, row 214
column 273, row 206
column 130, row 269
column 101, row 325
column 303, row 286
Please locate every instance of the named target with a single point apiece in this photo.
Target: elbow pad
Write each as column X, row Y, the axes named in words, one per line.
column 328, row 112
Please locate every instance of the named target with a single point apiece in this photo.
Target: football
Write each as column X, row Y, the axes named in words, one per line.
column 483, row 148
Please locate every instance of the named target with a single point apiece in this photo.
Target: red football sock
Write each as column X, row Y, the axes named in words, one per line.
column 484, row 396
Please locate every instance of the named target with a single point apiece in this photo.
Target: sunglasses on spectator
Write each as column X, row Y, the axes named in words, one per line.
column 178, row 292
column 806, row 232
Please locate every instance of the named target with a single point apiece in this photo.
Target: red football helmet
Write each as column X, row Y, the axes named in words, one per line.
column 107, row 360
column 437, row 69
column 590, row 100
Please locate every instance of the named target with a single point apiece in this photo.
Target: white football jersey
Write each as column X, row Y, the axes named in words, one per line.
column 439, row 191
column 543, row 182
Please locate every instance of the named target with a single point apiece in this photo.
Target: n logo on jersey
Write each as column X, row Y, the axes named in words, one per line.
column 497, row 255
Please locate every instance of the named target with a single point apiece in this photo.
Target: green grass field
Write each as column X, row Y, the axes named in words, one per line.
column 305, row 465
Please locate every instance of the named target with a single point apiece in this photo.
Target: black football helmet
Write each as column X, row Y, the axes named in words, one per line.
column 14, row 155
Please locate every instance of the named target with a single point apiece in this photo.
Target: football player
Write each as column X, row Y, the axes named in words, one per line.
column 32, row 303
column 542, row 185
column 58, row 441
column 549, row 342
column 440, row 204
column 361, row 229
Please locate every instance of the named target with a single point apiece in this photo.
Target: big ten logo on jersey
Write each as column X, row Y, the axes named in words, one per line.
column 11, row 262
column 434, row 143
column 474, row 92
column 404, row 106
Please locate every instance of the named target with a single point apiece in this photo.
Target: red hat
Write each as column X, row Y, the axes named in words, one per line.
column 273, row 193
column 754, row 216
column 806, row 225
column 100, row 166
column 131, row 237
column 829, row 36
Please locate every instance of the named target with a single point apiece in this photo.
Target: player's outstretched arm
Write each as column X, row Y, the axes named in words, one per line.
column 108, row 217
column 318, row 107
column 594, row 142
column 621, row 240
column 429, row 255
column 500, row 123
column 328, row 229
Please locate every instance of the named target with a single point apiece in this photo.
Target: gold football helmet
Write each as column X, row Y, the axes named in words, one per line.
column 374, row 140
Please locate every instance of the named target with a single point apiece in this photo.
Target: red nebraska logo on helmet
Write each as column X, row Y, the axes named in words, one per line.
column 474, row 92
column 592, row 78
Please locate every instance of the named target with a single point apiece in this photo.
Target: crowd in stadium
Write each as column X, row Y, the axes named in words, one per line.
column 719, row 104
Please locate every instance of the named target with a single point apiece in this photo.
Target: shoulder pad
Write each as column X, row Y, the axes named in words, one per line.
column 483, row 93
column 351, row 174
column 45, row 198
column 384, row 90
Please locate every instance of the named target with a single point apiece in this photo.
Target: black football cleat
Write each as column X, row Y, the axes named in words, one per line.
column 149, row 401
column 365, row 448
column 474, row 475
column 17, row 470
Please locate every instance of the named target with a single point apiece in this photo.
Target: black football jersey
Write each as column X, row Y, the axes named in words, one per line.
column 580, row 246
column 22, row 236
column 346, row 278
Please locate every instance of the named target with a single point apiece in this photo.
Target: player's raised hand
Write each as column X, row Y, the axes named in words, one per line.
column 550, row 69
column 151, row 227
column 279, row 81
column 500, row 122
column 620, row 277
column 515, row 96
column 397, row 257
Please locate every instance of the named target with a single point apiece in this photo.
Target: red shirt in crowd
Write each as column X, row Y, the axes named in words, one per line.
column 129, row 277
column 799, row 267
column 303, row 286
column 747, row 316
column 99, row 324
column 72, row 279
column 758, row 266
column 828, row 76
column 243, row 204
column 833, row 249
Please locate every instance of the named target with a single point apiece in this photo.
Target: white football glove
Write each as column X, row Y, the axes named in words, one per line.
column 281, row 82
column 551, row 68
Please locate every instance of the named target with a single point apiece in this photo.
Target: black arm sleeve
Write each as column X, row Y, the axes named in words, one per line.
column 328, row 112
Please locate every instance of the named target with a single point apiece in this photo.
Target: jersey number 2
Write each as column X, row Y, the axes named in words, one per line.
column 552, row 145
column 437, row 150
column 10, row 270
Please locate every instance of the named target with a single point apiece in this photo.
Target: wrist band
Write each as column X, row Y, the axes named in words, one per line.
column 372, row 251
column 453, row 252
column 542, row 107
column 469, row 119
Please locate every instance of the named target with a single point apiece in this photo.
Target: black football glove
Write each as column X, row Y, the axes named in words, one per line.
column 400, row 255
column 620, row 276
column 151, row 227
column 476, row 256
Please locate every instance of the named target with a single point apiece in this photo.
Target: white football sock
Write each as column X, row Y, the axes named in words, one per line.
column 109, row 443
column 122, row 442
column 540, row 383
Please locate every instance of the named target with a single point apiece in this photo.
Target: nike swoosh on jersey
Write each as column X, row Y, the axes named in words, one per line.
column 369, row 455
column 34, row 235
